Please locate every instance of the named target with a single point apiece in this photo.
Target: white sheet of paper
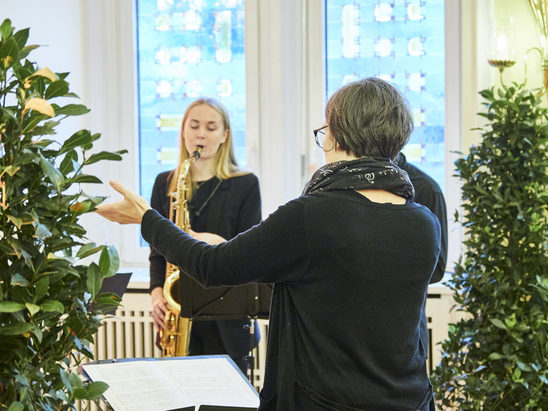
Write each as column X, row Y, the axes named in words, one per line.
column 211, row 381
column 173, row 383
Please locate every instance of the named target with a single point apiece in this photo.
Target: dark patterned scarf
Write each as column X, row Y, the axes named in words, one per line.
column 361, row 174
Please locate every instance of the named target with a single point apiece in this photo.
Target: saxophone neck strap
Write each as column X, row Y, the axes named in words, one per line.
column 199, row 211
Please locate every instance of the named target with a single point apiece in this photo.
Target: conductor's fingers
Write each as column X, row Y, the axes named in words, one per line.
column 119, row 187
column 108, row 210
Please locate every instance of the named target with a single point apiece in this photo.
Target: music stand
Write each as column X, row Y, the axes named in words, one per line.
column 243, row 302
column 117, row 284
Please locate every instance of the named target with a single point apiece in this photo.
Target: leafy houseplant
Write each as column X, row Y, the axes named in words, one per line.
column 49, row 299
column 496, row 356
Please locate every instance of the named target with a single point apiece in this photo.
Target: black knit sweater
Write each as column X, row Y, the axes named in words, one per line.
column 351, row 279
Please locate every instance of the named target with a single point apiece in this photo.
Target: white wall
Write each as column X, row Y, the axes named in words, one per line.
column 55, row 25
column 83, row 37
column 520, row 22
column 479, row 23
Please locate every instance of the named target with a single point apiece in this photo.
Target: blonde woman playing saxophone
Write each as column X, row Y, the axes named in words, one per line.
column 225, row 201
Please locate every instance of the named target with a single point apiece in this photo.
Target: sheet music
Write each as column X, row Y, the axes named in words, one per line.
column 212, row 381
column 173, row 383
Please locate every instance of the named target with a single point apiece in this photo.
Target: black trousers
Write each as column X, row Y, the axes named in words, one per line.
column 205, row 340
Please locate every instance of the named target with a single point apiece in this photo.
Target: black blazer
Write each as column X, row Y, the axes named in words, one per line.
column 234, row 208
column 429, row 194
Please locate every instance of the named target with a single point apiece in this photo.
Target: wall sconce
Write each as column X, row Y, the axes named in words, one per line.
column 501, row 54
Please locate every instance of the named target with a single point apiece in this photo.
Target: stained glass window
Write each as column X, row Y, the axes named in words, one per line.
column 186, row 49
column 401, row 41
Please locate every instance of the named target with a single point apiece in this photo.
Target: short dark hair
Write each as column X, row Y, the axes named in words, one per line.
column 369, row 118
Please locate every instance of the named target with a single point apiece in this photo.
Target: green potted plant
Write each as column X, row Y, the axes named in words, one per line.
column 50, row 304
column 496, row 355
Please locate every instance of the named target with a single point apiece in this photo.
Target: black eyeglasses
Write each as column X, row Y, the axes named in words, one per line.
column 318, row 133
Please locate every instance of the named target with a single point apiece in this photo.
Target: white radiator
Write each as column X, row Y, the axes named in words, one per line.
column 130, row 333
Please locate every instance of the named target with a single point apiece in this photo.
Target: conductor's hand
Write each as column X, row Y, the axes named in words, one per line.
column 209, row 238
column 159, row 308
column 128, row 211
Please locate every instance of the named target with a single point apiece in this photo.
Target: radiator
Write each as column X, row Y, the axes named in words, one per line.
column 130, row 334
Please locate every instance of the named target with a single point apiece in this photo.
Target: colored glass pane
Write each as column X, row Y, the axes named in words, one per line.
column 401, row 41
column 186, row 49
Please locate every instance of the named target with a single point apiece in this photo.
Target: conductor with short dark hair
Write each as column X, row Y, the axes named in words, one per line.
column 351, row 260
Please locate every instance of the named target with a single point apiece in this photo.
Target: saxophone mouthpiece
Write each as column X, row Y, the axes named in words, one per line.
column 197, row 152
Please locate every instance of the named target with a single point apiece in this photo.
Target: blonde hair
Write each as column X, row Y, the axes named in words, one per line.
column 226, row 165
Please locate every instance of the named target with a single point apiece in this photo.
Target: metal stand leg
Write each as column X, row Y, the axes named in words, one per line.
column 250, row 357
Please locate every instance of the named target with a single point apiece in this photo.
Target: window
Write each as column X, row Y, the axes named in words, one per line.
column 281, row 87
column 186, row 49
column 401, row 42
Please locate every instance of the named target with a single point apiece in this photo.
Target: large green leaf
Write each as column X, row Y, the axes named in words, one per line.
column 71, row 110
column 67, row 165
column 95, row 389
column 48, row 128
column 21, row 37
column 109, row 262
column 88, row 249
column 52, row 172
column 85, row 178
column 56, row 89
column 79, row 393
column 25, row 51
column 16, row 406
column 41, row 288
column 66, row 380
column 9, row 52
column 78, row 389
column 94, row 279
column 16, row 246
column 17, row 328
column 17, row 280
column 78, row 139
column 10, row 307
column 107, row 301
column 105, row 155
column 33, row 120
column 33, row 308
column 52, row 306
column 6, row 29
column 41, row 231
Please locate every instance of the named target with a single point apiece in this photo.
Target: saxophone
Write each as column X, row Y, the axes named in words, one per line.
column 175, row 337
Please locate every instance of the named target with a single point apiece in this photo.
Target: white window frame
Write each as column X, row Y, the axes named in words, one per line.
column 453, row 124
